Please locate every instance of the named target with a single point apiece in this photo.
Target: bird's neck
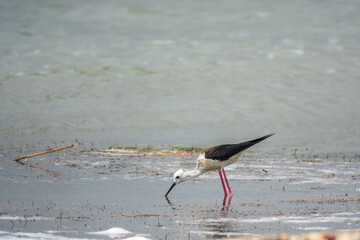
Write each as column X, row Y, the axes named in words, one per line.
column 193, row 173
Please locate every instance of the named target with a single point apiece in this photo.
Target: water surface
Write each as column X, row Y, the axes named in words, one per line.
column 188, row 73
column 98, row 195
column 178, row 73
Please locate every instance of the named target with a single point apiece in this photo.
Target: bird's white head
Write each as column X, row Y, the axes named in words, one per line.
column 182, row 176
column 179, row 177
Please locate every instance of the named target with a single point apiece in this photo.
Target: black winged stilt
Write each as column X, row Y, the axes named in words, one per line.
column 216, row 158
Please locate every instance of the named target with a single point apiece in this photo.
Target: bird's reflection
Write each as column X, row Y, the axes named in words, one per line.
column 226, row 206
column 169, row 202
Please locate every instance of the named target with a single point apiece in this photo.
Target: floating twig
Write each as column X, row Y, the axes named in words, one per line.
column 36, row 154
column 17, row 160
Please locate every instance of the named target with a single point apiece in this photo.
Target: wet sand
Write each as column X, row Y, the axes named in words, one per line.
column 97, row 194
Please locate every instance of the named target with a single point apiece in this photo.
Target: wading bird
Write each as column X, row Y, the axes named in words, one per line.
column 215, row 158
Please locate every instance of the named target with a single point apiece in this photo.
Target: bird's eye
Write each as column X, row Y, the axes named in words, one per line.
column 177, row 177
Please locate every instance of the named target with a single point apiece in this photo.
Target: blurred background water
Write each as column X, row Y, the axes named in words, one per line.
column 180, row 72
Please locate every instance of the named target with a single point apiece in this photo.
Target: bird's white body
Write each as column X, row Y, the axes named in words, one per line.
column 206, row 164
column 203, row 165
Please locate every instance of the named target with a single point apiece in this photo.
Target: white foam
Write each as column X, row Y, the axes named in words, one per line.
column 45, row 180
column 30, row 218
column 114, row 232
column 33, row 236
column 324, row 181
column 225, row 234
column 346, row 214
column 261, row 220
column 293, row 219
column 137, row 237
column 59, row 232
column 320, row 219
column 250, row 220
column 314, row 228
column 49, row 235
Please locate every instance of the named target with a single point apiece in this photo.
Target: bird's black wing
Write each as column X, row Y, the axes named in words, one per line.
column 225, row 151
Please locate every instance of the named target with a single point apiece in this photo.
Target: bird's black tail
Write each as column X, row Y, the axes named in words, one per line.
column 224, row 152
column 244, row 145
column 255, row 141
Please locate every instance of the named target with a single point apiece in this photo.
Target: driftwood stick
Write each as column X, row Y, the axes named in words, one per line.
column 17, row 160
column 36, row 154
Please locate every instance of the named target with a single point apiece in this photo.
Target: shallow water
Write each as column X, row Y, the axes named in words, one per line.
column 188, row 73
column 178, row 73
column 98, row 195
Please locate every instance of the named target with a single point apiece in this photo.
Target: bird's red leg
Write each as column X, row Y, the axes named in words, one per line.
column 222, row 182
column 229, row 202
column 227, row 183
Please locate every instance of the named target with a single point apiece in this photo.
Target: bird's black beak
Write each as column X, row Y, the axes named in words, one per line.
column 172, row 186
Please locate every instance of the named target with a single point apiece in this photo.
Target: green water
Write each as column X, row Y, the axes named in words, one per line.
column 187, row 73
